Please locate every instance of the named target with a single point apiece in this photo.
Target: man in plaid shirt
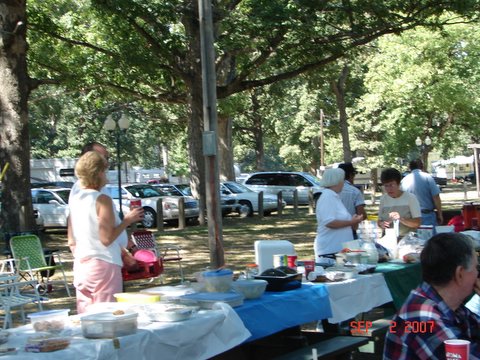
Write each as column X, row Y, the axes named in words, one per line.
column 436, row 311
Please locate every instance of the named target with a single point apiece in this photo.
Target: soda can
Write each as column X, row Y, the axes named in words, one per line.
column 280, row 260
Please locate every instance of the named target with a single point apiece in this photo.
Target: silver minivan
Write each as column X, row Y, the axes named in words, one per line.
column 271, row 182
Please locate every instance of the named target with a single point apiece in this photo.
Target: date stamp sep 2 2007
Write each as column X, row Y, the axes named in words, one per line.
column 415, row 327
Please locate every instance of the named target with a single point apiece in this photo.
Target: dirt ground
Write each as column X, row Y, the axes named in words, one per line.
column 239, row 235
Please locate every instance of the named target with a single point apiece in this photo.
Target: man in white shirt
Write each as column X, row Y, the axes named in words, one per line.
column 350, row 195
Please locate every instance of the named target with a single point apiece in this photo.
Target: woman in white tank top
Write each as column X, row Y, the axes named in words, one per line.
column 96, row 235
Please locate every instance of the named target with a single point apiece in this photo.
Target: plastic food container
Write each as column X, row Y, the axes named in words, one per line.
column 41, row 343
column 218, row 280
column 206, row 300
column 52, row 321
column 108, row 325
column 250, row 289
column 137, row 298
column 169, row 312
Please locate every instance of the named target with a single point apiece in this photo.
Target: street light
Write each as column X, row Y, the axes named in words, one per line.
column 419, row 142
column 423, row 145
column 111, row 126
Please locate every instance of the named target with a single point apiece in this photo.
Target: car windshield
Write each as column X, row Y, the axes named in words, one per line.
column 143, row 191
column 236, row 188
column 169, row 190
column 64, row 194
column 185, row 189
column 313, row 179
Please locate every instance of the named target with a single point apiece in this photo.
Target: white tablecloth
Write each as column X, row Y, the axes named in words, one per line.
column 351, row 297
column 206, row 334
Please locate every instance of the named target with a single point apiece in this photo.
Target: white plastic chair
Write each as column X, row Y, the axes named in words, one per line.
column 13, row 291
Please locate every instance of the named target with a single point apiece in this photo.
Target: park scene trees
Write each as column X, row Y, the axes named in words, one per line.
column 381, row 72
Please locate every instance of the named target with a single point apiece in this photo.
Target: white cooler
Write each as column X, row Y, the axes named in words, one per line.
column 265, row 249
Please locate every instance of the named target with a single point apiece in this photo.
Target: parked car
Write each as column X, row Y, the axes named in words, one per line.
column 272, row 182
column 440, row 181
column 248, row 199
column 36, row 215
column 149, row 197
column 52, row 206
column 52, row 184
column 228, row 203
column 471, row 178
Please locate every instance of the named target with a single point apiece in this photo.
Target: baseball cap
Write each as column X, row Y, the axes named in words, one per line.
column 348, row 168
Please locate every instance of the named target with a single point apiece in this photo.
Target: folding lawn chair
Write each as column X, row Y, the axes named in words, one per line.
column 145, row 239
column 32, row 261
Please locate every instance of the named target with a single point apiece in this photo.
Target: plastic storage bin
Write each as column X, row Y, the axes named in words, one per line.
column 107, row 325
column 52, row 321
column 218, row 280
column 265, row 249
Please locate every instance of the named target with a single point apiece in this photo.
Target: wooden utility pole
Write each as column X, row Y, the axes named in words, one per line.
column 475, row 148
column 322, row 144
column 210, row 148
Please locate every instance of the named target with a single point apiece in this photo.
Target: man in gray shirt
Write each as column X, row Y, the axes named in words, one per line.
column 350, row 195
column 423, row 186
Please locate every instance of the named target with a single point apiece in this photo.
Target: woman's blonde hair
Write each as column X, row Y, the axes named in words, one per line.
column 88, row 169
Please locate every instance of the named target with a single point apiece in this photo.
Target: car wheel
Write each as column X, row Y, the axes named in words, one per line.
column 246, row 209
column 267, row 213
column 193, row 221
column 149, row 218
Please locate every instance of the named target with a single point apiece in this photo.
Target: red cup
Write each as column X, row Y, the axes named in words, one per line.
column 135, row 203
column 292, row 261
column 456, row 349
column 309, row 266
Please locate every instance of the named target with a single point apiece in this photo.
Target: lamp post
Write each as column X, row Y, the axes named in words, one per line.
column 423, row 146
column 118, row 127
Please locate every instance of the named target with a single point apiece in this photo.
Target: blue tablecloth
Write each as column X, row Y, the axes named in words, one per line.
column 276, row 311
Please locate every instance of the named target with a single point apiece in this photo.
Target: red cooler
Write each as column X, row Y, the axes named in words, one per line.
column 470, row 212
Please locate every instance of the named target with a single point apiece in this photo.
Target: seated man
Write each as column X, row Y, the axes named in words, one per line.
column 435, row 311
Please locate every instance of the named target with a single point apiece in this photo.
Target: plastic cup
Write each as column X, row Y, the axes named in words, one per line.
column 456, row 349
column 135, row 203
column 309, row 266
column 292, row 261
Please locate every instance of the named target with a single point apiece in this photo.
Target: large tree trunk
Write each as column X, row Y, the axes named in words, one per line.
column 17, row 212
column 338, row 88
column 225, row 148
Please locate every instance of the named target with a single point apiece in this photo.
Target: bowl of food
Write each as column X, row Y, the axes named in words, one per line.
column 137, row 297
column 250, row 288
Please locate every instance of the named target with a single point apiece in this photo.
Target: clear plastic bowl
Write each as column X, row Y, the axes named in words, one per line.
column 250, row 289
